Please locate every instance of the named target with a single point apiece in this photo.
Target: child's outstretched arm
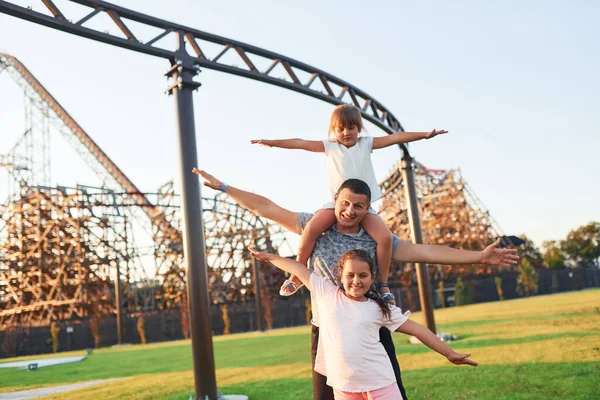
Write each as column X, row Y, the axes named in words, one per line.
column 379, row 142
column 430, row 340
column 285, row 264
column 316, row 146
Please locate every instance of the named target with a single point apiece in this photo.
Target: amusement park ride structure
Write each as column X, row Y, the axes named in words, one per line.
column 60, row 246
column 451, row 215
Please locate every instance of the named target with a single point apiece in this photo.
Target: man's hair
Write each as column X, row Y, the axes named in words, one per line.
column 356, row 186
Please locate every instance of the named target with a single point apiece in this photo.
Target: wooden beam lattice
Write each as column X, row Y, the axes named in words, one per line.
column 56, row 253
column 59, row 248
column 451, row 215
column 229, row 230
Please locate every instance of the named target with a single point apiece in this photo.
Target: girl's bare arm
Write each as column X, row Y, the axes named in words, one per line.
column 380, row 142
column 429, row 339
column 285, row 264
column 316, row 146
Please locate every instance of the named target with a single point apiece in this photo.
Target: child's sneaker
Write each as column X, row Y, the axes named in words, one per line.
column 388, row 297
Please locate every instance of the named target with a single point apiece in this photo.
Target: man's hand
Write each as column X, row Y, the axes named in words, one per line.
column 207, row 179
column 501, row 257
column 262, row 142
column 434, row 133
column 461, row 359
column 260, row 255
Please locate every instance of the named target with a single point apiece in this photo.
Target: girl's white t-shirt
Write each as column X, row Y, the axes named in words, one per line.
column 349, row 351
column 351, row 162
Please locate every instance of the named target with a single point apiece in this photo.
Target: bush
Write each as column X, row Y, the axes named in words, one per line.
column 555, row 283
column 441, row 296
column 141, row 329
column 462, row 293
column 54, row 330
column 527, row 279
column 498, row 283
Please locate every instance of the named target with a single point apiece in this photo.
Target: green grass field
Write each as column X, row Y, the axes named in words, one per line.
column 546, row 347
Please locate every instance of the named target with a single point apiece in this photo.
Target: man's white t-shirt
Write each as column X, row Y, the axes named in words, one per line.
column 354, row 360
column 354, row 162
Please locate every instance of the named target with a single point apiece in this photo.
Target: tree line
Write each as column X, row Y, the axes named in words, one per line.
column 581, row 248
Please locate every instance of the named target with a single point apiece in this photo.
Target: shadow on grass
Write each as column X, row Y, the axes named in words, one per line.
column 509, row 381
column 494, row 382
column 402, row 347
column 288, row 389
column 480, row 322
column 248, row 352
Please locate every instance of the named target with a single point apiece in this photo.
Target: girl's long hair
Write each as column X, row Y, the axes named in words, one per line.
column 359, row 254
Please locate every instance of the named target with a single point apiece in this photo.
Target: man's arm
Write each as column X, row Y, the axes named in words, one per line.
column 316, row 146
column 255, row 203
column 429, row 339
column 433, row 254
column 380, row 142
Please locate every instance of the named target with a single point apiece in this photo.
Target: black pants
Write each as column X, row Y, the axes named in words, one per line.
column 323, row 392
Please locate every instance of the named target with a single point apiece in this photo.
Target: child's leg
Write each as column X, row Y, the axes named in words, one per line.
column 318, row 224
column 376, row 228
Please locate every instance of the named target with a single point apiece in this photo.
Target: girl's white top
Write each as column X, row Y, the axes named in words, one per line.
column 349, row 352
column 351, row 162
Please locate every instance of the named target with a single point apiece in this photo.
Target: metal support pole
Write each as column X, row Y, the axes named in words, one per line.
column 260, row 318
column 194, row 250
column 410, row 193
column 118, row 304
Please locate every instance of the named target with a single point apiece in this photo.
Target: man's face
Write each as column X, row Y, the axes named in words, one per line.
column 350, row 208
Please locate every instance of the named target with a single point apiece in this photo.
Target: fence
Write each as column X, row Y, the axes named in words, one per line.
column 159, row 326
column 484, row 289
column 165, row 325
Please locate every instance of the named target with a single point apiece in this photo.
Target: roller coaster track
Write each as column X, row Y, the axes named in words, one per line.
column 81, row 141
column 298, row 77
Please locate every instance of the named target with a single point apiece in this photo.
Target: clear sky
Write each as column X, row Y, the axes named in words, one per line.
column 516, row 83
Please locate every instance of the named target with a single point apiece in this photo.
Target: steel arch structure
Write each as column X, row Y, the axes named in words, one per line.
column 183, row 69
column 336, row 89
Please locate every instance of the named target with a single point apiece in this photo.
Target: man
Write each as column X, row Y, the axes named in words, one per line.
column 351, row 205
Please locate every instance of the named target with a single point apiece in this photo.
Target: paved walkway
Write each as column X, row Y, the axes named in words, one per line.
column 48, row 391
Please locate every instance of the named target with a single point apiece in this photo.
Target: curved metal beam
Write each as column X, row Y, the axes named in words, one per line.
column 298, row 76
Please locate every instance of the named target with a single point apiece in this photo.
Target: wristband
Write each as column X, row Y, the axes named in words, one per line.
column 223, row 187
column 382, row 284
